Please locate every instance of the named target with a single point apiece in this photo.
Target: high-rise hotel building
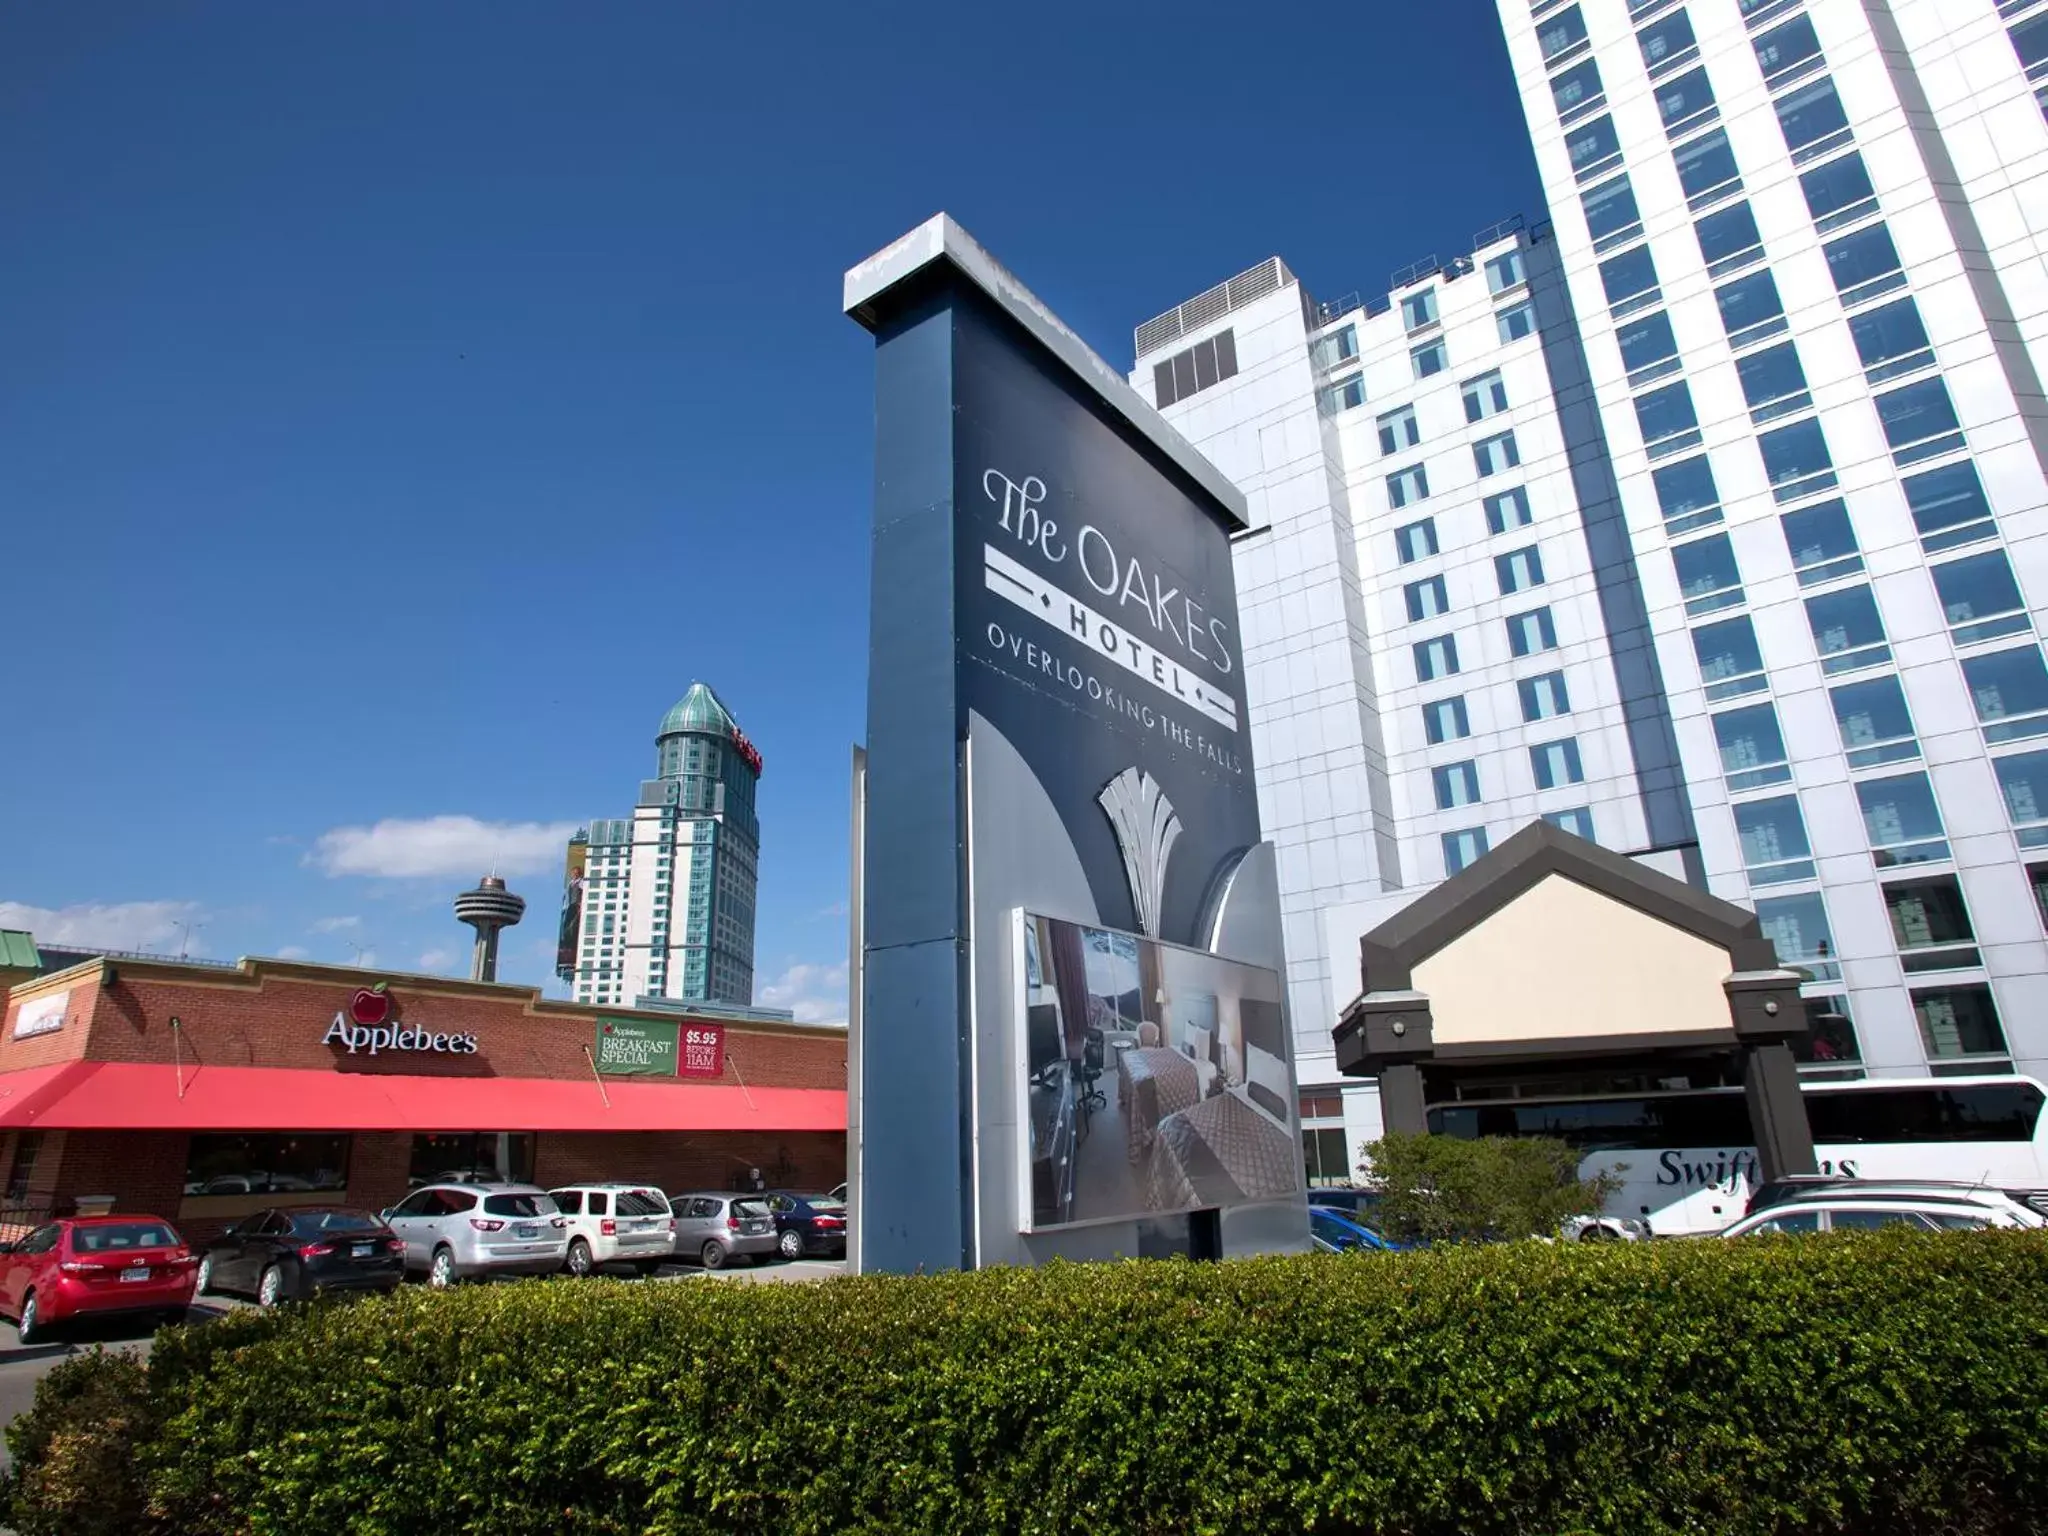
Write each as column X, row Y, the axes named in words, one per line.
column 1706, row 519
column 660, row 904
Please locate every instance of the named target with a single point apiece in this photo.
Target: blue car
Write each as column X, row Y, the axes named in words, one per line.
column 1339, row 1233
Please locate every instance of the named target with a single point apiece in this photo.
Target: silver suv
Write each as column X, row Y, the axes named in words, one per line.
column 713, row 1228
column 466, row 1231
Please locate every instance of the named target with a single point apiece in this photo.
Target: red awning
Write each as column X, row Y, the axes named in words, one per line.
column 134, row 1096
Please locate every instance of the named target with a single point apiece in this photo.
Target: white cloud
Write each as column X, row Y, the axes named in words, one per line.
column 294, row 952
column 815, row 993
column 336, row 924
column 436, row 960
column 113, row 925
column 442, row 848
column 837, row 909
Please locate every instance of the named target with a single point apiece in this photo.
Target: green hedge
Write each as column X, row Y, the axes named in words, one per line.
column 1876, row 1384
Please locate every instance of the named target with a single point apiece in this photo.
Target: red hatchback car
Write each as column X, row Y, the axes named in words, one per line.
column 93, row 1266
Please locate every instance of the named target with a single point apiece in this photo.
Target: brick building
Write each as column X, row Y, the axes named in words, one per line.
column 202, row 1092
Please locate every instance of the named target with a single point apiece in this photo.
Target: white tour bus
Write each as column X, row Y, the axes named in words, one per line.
column 1687, row 1167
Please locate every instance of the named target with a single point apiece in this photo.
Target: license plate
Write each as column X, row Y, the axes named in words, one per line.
column 139, row 1272
column 526, row 1231
column 361, row 1250
column 758, row 1227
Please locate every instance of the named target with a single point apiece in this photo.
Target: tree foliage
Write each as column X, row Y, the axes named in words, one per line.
column 1440, row 1189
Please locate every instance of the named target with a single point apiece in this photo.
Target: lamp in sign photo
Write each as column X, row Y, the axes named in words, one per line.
column 703, row 1050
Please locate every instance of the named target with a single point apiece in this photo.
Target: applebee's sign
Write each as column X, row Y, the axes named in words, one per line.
column 370, row 1023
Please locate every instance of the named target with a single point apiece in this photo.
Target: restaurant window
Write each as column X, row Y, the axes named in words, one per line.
column 21, row 1172
column 236, row 1164
column 469, row 1157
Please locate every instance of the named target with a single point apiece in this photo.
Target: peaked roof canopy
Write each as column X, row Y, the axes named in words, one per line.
column 698, row 711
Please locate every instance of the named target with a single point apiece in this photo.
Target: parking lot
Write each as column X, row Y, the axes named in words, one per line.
column 21, row 1369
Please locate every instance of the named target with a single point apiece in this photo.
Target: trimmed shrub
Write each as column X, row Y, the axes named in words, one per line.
column 1450, row 1189
column 1874, row 1385
column 74, row 1471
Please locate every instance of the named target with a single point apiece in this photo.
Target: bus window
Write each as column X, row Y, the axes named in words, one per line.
column 1917, row 1113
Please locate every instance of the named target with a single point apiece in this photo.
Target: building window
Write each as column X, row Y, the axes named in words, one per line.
column 1516, row 321
column 1686, row 495
column 1891, row 341
column 1821, row 542
column 1813, row 121
column 1578, row 821
column 1398, row 430
column 1667, row 420
column 1829, row 1045
column 1436, row 658
column 1495, row 455
column 1901, row 820
column 1686, row 102
column 1577, row 91
column 1430, row 358
column 1773, row 383
column 1979, row 598
column 1629, row 281
column 1752, row 748
column 262, row 1165
column 1730, row 663
column 1706, row 170
column 500, row 1156
column 1185, row 373
column 1875, row 725
column 1343, row 395
column 1920, row 422
column 21, row 1170
column 1847, row 630
column 1518, row 570
column 1594, row 148
column 1506, row 271
column 1728, row 239
column 1649, row 350
column 1707, row 577
column 1463, row 848
column 1787, row 52
column 1416, row 540
column 1958, row 1023
column 1797, row 461
column 1407, row 486
column 1773, row 838
column 1611, row 215
column 1797, row 927
column 1419, row 309
column 1456, row 784
column 1445, row 720
column 1667, row 43
column 1948, row 507
column 1426, row 599
column 1930, row 924
column 1751, row 310
column 1325, row 1156
column 1864, row 265
column 2023, row 780
column 1543, row 698
column 1838, row 193
column 1335, row 347
column 1531, row 632
column 1557, row 762
column 1507, row 510
column 1485, row 396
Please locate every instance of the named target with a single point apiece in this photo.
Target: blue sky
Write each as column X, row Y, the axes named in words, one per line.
column 402, row 404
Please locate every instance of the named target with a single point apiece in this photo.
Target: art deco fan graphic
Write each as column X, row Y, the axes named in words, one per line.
column 1147, row 826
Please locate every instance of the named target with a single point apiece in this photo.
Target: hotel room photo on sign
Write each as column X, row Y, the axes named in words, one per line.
column 1156, row 1078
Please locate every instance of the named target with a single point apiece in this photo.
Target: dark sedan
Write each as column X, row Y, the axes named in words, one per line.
column 807, row 1223
column 288, row 1255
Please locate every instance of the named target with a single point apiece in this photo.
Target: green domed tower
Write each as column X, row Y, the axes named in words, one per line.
column 666, row 905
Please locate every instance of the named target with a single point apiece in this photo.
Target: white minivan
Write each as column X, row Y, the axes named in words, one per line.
column 616, row 1224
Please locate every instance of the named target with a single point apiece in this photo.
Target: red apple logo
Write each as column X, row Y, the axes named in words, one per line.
column 370, row 1005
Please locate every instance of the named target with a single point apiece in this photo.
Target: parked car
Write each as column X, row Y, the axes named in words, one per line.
column 1343, row 1235
column 1837, row 1186
column 807, row 1224
column 616, row 1224
column 1604, row 1229
column 1361, row 1205
column 95, row 1266
column 716, row 1228
column 289, row 1255
column 457, row 1232
column 839, row 1192
column 1865, row 1210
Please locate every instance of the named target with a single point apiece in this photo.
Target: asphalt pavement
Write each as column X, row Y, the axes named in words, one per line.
column 21, row 1368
